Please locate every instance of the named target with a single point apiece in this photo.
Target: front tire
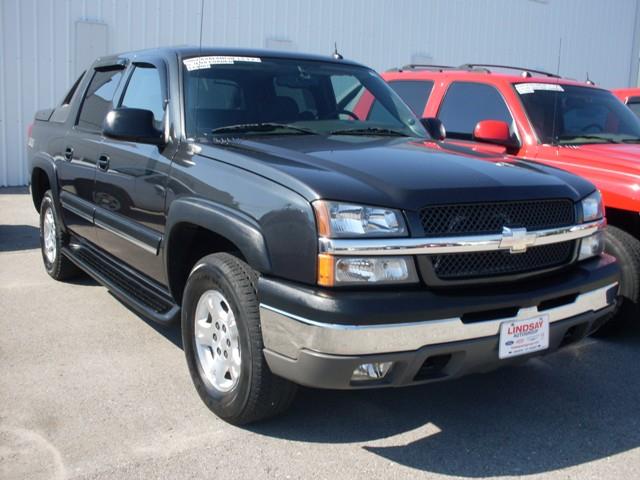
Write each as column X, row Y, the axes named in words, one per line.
column 222, row 341
column 52, row 239
column 626, row 248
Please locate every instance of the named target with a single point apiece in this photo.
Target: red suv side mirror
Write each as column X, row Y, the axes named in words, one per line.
column 494, row 131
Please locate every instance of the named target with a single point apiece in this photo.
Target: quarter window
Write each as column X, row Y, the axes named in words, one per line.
column 144, row 91
column 72, row 91
column 99, row 99
column 465, row 104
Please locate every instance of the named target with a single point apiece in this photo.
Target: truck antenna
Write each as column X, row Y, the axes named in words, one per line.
column 555, row 96
column 336, row 55
column 201, row 21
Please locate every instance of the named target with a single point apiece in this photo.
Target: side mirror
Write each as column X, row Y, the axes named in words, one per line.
column 133, row 125
column 434, row 127
column 496, row 132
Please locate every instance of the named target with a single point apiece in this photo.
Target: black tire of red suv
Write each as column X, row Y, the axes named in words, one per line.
column 626, row 248
column 258, row 394
column 57, row 265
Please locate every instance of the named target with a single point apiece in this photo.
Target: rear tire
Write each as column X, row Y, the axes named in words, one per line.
column 52, row 239
column 626, row 248
column 221, row 320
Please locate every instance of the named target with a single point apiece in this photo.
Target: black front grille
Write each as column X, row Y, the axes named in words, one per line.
column 485, row 218
column 458, row 266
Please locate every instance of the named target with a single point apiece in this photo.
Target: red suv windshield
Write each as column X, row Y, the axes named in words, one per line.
column 570, row 115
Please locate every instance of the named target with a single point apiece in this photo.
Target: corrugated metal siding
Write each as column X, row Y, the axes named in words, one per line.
column 38, row 51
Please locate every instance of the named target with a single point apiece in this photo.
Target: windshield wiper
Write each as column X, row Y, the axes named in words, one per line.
column 369, row 131
column 262, row 127
column 630, row 140
column 578, row 138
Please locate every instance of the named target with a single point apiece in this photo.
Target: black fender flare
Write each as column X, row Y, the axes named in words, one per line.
column 48, row 165
column 235, row 226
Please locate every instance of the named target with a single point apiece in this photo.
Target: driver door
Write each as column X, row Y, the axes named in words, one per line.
column 131, row 179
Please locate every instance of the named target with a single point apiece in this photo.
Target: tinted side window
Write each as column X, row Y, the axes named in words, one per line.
column 465, row 104
column 414, row 93
column 98, row 100
column 144, row 91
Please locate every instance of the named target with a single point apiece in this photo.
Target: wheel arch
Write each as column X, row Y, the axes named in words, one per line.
column 197, row 227
column 43, row 177
column 626, row 220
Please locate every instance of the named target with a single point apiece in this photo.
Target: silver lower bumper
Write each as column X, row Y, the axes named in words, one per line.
column 288, row 334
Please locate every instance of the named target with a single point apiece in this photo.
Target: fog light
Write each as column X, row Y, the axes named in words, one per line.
column 371, row 371
column 592, row 246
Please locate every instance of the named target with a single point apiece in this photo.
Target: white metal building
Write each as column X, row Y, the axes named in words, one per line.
column 45, row 44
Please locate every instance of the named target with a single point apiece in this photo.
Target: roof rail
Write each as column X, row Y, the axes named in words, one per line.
column 425, row 66
column 525, row 71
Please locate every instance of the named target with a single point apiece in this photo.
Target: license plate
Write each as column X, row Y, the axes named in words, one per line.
column 519, row 337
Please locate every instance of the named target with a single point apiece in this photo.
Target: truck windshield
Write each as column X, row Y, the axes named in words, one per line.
column 241, row 96
column 573, row 115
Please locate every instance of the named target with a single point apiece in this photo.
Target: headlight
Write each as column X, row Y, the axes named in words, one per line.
column 592, row 246
column 336, row 271
column 592, row 208
column 345, row 220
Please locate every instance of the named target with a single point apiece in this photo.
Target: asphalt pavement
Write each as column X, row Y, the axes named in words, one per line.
column 89, row 390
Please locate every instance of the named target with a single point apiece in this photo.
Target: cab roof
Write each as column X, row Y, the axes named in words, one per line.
column 187, row 51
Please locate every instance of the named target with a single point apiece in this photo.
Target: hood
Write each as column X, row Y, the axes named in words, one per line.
column 394, row 172
column 613, row 168
column 623, row 158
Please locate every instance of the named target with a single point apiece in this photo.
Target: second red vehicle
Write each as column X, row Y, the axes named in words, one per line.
column 568, row 124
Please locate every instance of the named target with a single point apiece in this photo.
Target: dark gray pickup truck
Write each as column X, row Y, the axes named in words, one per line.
column 242, row 192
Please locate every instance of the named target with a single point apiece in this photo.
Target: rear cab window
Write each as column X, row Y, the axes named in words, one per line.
column 61, row 112
column 72, row 91
column 99, row 98
column 467, row 103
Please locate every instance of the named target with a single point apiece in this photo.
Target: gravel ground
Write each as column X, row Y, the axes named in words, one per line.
column 90, row 390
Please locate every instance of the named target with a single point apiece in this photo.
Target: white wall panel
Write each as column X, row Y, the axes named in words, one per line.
column 38, row 51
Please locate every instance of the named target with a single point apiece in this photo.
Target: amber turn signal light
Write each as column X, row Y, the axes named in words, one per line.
column 326, row 274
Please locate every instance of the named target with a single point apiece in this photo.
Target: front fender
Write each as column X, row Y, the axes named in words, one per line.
column 238, row 228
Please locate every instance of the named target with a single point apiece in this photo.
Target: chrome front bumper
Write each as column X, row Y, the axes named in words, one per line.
column 287, row 334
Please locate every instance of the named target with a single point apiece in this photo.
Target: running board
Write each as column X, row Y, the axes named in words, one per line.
column 138, row 293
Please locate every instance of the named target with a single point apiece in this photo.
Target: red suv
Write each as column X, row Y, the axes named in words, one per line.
column 572, row 125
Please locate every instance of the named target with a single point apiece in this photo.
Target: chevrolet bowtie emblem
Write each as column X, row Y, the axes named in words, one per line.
column 517, row 239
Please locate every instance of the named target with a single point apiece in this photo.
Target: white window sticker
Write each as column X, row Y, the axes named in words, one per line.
column 524, row 88
column 198, row 63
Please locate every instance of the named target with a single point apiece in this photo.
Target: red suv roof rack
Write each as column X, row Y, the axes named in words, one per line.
column 424, row 66
column 526, row 72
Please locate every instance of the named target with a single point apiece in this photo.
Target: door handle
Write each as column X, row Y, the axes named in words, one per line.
column 68, row 153
column 103, row 162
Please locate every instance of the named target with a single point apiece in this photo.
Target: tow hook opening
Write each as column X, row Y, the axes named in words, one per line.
column 433, row 367
column 575, row 333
